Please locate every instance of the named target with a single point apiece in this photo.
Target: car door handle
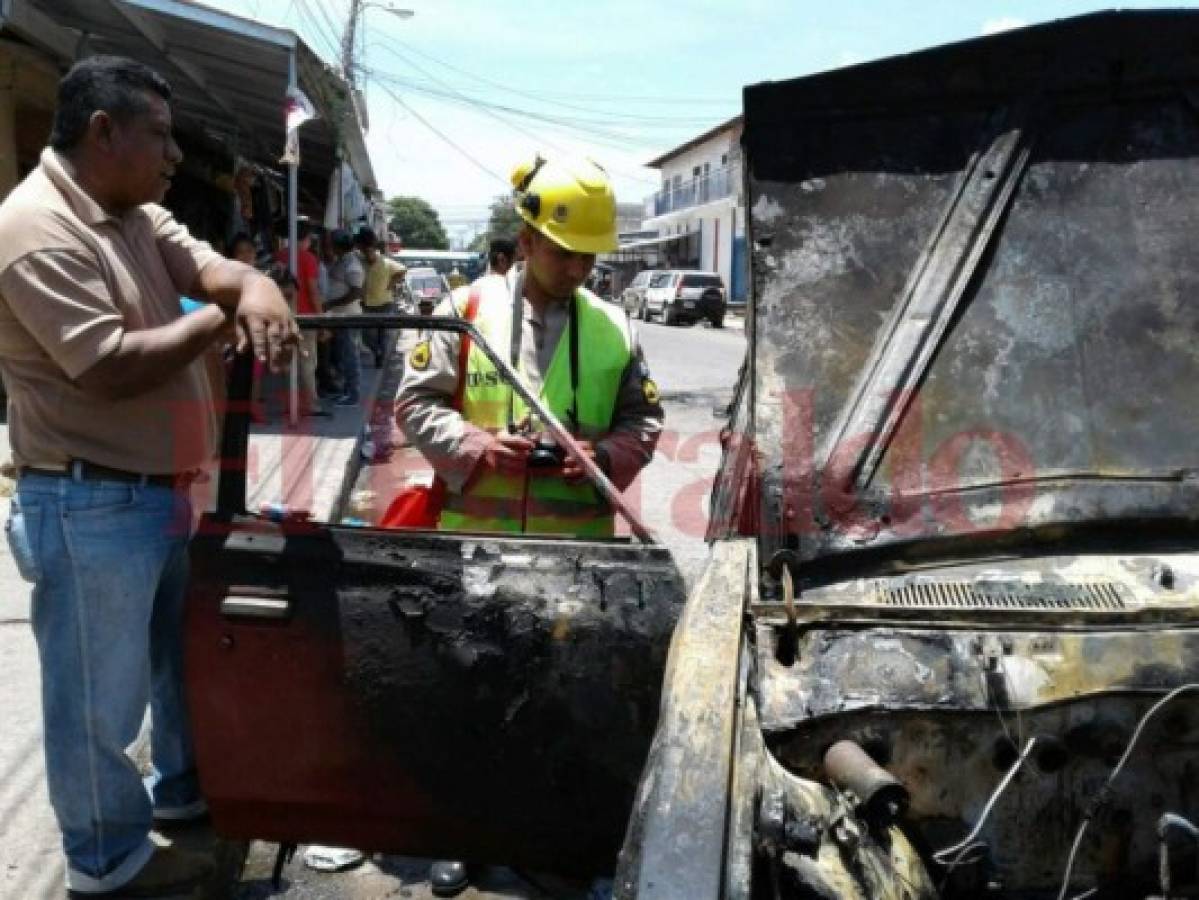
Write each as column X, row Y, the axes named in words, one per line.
column 257, row 605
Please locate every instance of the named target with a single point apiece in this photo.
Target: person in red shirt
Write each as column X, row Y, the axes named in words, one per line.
column 308, row 303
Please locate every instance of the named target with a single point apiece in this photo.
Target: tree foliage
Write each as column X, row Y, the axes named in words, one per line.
column 503, row 222
column 417, row 224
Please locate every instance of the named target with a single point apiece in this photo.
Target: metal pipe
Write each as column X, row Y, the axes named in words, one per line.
column 293, row 251
column 878, row 796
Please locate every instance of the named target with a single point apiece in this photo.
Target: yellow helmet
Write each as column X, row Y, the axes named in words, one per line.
column 569, row 202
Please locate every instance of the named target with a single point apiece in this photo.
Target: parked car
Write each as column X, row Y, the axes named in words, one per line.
column 678, row 296
column 426, row 287
column 633, row 297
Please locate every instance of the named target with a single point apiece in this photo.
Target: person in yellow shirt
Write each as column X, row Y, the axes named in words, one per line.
column 382, row 276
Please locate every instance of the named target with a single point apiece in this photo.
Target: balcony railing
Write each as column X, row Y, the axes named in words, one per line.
column 695, row 192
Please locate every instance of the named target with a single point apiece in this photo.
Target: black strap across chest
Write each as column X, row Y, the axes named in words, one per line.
column 517, row 336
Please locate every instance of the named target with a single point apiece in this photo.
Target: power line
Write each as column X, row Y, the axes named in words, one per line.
column 480, row 166
column 600, row 127
column 513, row 125
column 616, row 140
column 598, row 121
column 314, row 28
column 542, row 98
column 333, row 27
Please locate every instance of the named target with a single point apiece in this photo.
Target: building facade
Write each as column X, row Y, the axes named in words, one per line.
column 700, row 208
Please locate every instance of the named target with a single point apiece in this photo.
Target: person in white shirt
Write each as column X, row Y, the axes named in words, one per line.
column 346, row 281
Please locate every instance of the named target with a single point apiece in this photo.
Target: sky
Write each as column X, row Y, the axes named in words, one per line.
column 463, row 90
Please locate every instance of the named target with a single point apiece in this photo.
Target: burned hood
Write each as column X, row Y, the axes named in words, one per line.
column 974, row 290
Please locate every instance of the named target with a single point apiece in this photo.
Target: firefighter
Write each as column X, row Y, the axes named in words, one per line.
column 578, row 353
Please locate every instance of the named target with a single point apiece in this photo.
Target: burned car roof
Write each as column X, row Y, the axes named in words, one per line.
column 973, row 286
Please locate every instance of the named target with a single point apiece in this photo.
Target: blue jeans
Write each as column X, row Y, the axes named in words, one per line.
column 108, row 561
column 345, row 360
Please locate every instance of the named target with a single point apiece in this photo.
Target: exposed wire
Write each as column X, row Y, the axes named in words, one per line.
column 1104, row 792
column 969, row 855
column 1019, row 738
column 995, row 795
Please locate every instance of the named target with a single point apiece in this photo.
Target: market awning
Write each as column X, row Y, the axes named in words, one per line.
column 229, row 75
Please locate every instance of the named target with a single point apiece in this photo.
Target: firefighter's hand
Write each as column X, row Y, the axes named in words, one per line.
column 507, row 454
column 572, row 469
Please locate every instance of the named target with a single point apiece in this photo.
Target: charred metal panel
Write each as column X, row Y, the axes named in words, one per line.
column 489, row 699
column 951, row 763
column 1070, row 365
column 676, row 841
column 839, row 671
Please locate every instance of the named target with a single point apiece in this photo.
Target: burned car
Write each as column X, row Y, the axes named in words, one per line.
column 946, row 644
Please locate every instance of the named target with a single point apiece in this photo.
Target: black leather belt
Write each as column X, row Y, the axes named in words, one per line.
column 86, row 471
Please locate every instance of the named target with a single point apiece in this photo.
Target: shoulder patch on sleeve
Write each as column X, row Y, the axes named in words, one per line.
column 650, row 390
column 419, row 358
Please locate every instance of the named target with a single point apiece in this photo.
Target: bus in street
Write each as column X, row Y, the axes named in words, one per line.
column 470, row 265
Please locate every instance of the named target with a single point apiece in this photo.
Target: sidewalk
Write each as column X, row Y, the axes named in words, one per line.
column 31, row 863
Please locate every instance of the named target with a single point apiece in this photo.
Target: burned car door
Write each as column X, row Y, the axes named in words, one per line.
column 963, row 482
column 478, row 696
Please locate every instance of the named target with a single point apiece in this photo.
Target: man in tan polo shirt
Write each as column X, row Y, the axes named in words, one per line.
column 109, row 409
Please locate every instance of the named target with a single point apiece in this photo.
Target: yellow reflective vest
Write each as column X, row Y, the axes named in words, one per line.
column 541, row 503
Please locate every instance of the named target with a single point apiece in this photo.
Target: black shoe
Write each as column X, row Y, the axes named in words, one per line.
column 448, row 878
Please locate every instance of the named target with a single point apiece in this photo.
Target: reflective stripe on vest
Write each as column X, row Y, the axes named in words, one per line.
column 541, row 504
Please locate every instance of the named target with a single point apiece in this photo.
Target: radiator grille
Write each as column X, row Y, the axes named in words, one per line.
column 1005, row 595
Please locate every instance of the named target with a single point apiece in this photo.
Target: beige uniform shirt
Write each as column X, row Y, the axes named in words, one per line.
column 424, row 404
column 73, row 280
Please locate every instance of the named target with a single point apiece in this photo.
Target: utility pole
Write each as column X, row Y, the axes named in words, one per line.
column 347, row 42
column 357, row 8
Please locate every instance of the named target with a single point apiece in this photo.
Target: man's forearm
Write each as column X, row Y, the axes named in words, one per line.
column 144, row 359
column 222, row 283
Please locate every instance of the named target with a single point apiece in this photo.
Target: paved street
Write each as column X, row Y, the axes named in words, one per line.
column 695, row 369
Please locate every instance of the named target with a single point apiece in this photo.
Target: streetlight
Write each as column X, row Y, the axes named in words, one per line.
column 389, row 8
column 357, row 8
